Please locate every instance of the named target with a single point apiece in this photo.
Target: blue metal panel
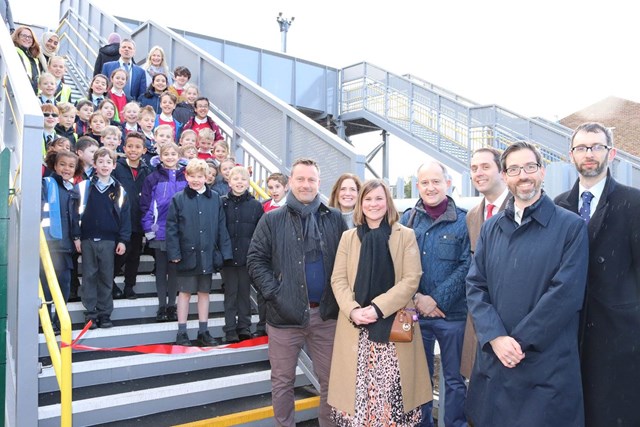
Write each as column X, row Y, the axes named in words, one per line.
column 277, row 76
column 244, row 61
column 310, row 86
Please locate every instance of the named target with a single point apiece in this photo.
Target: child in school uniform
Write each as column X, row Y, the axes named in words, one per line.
column 157, row 190
column 181, row 76
column 111, row 138
column 242, row 212
column 221, row 186
column 277, row 187
column 198, row 244
column 105, row 227
column 129, row 119
column 189, row 151
column 66, row 119
column 151, row 96
column 109, row 111
column 131, row 171
column 206, row 139
column 146, row 121
column 57, row 68
column 167, row 105
column 84, row 109
column 188, row 137
column 98, row 89
column 47, row 89
column 60, row 219
column 51, row 116
column 97, row 123
column 116, row 93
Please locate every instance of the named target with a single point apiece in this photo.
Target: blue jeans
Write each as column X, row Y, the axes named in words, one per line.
column 449, row 335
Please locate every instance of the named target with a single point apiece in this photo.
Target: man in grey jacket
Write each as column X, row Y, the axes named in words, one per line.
column 290, row 260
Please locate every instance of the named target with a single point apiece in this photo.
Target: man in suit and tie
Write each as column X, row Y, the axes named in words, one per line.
column 610, row 326
column 137, row 80
column 486, row 176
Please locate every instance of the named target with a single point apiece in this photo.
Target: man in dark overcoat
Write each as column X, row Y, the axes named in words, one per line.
column 610, row 327
column 525, row 289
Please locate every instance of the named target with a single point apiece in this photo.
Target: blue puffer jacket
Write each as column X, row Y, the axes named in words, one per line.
column 445, row 253
column 157, row 191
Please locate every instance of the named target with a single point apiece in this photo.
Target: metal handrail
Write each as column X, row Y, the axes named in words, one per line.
column 61, row 357
column 84, row 58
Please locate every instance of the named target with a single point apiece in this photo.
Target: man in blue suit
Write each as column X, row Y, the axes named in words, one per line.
column 137, row 81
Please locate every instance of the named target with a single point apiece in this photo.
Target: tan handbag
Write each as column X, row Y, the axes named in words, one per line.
column 402, row 327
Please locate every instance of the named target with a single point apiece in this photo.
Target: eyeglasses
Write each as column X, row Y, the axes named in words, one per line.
column 529, row 168
column 596, row 148
column 54, row 115
column 26, row 36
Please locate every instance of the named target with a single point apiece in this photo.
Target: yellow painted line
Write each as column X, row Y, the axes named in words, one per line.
column 251, row 415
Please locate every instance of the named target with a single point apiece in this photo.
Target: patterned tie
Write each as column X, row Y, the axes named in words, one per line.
column 490, row 207
column 585, row 210
column 98, row 101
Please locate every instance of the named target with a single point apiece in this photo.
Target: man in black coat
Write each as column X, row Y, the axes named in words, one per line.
column 610, row 328
column 107, row 53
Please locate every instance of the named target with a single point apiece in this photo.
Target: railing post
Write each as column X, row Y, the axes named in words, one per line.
column 4, row 262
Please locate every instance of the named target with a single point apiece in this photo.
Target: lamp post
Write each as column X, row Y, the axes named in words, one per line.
column 284, row 23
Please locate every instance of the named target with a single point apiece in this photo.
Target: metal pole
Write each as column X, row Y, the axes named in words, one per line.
column 284, row 23
column 4, row 263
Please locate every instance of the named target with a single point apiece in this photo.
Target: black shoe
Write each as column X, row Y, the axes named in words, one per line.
column 206, row 340
column 244, row 337
column 117, row 292
column 105, row 323
column 232, row 339
column 161, row 315
column 183, row 339
column 258, row 334
column 73, row 296
column 129, row 293
column 94, row 323
column 172, row 313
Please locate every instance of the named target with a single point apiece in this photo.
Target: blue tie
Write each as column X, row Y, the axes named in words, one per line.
column 585, row 210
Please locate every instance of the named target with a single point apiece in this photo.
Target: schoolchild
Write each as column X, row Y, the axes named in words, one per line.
column 57, row 67
column 86, row 148
column 61, row 143
column 152, row 95
column 98, row 89
column 66, row 119
column 131, row 171
column 85, row 110
column 105, row 227
column 130, row 116
column 146, row 121
column 181, row 76
column 188, row 151
column 167, row 105
column 206, row 139
column 157, row 191
column 198, row 244
column 212, row 172
column 188, row 137
column 111, row 137
column 60, row 219
column 47, row 89
column 51, row 115
column 186, row 108
column 97, row 123
column 242, row 212
column 277, row 187
column 221, row 185
column 220, row 151
column 118, row 80
column 109, row 110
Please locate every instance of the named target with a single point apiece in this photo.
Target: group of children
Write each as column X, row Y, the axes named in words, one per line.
column 116, row 177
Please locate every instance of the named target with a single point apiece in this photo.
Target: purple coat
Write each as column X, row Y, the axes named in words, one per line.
column 157, row 191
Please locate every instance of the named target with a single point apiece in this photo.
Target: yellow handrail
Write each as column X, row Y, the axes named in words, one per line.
column 263, row 194
column 60, row 357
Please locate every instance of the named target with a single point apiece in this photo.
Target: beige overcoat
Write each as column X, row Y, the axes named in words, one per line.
column 414, row 374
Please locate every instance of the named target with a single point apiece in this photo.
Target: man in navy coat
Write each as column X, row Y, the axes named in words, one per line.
column 525, row 289
column 610, row 327
column 137, row 81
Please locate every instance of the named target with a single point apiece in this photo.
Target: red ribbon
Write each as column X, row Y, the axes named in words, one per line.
column 162, row 348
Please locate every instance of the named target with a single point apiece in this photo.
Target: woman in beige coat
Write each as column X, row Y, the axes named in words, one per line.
column 377, row 270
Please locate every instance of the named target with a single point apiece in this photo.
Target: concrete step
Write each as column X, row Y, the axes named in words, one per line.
column 126, row 368
column 147, row 264
column 142, row 308
column 138, row 334
column 125, row 406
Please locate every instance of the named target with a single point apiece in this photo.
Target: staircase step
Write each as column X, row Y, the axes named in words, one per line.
column 142, row 308
column 138, row 334
column 128, row 405
column 146, row 283
column 129, row 367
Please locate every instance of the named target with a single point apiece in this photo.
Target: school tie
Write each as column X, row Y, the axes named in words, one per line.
column 98, row 101
column 490, row 207
column 49, row 139
column 585, row 210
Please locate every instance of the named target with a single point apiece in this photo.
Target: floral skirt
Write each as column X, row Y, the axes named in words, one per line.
column 378, row 391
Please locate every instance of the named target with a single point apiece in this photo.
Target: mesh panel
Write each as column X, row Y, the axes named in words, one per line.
column 262, row 120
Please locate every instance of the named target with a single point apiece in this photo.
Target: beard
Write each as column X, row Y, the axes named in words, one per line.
column 589, row 173
column 525, row 196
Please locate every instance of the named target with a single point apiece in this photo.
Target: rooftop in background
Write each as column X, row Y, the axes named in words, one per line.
column 620, row 114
